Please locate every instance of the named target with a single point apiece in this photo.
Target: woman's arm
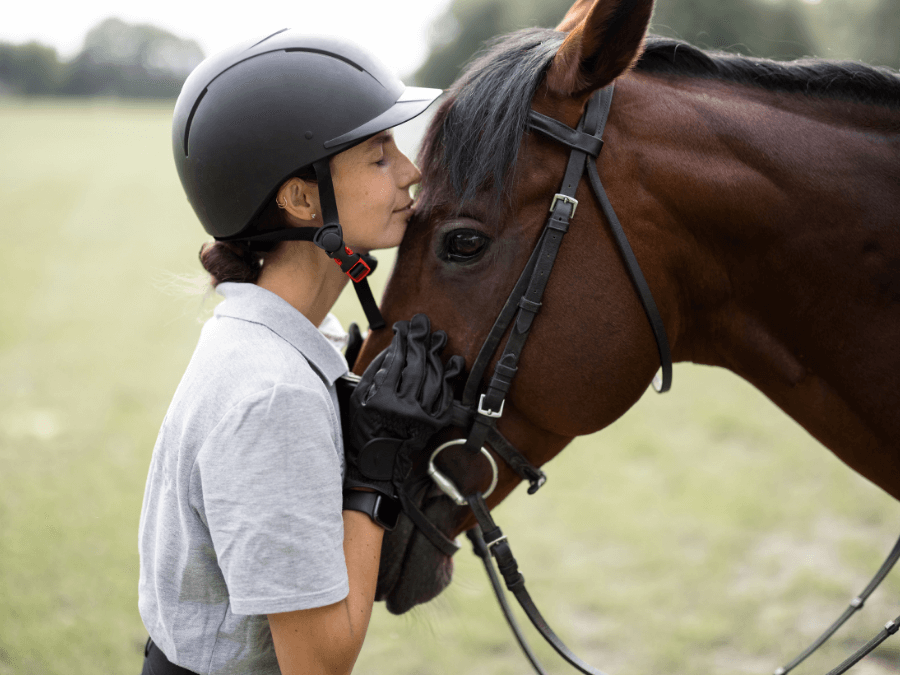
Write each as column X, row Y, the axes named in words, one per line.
column 327, row 640
column 403, row 398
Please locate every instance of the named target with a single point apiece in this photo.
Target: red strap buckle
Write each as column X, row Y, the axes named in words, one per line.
column 359, row 270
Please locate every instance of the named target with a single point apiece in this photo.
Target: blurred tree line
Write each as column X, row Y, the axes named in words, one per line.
column 118, row 59
column 864, row 30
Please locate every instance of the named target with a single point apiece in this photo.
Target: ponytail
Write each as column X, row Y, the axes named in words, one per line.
column 230, row 262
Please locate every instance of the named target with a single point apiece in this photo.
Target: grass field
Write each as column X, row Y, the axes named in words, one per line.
column 704, row 532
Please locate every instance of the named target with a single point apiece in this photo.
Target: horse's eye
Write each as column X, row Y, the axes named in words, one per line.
column 464, row 245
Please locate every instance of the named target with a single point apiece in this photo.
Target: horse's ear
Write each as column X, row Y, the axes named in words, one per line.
column 605, row 38
column 575, row 15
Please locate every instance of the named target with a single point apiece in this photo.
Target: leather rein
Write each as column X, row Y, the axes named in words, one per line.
column 478, row 411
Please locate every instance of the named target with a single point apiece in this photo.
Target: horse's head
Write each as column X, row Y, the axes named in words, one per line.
column 487, row 187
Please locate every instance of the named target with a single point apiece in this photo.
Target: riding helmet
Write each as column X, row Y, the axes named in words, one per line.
column 249, row 117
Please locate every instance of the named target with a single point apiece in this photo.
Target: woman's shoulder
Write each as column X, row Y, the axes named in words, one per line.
column 257, row 326
column 241, row 358
column 253, row 384
column 256, row 353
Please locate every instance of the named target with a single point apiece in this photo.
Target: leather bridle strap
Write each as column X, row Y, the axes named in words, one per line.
column 890, row 628
column 463, row 418
column 498, row 545
column 481, row 550
column 516, row 460
column 439, row 540
column 856, row 604
column 575, row 140
column 476, row 373
column 637, row 278
column 529, row 303
column 525, row 300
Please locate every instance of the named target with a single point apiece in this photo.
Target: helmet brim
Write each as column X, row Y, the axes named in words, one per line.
column 412, row 103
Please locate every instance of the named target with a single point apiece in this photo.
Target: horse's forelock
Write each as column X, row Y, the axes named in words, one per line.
column 473, row 142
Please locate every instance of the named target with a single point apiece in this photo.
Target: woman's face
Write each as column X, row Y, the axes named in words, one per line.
column 371, row 186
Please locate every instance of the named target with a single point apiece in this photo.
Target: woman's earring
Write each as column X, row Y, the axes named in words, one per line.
column 281, row 204
column 313, row 216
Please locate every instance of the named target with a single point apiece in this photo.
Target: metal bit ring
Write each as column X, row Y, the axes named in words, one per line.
column 446, row 485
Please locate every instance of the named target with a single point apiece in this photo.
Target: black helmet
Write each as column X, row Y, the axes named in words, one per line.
column 249, row 117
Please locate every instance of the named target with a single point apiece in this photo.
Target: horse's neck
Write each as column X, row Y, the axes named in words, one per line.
column 789, row 268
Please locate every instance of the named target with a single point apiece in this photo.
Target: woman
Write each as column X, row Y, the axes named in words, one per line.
column 259, row 551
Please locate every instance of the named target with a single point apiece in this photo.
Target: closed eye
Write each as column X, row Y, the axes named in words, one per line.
column 464, row 245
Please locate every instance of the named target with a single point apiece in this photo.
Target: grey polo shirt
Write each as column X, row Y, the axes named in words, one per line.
column 242, row 509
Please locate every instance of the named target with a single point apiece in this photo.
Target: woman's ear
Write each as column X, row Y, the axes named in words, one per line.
column 605, row 38
column 299, row 198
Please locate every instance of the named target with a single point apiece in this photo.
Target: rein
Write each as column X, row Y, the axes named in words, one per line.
column 479, row 411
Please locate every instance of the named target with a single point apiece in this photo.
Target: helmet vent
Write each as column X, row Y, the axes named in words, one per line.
column 339, row 57
column 278, row 32
column 187, row 127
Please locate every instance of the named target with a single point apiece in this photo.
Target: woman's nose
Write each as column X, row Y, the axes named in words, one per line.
column 410, row 173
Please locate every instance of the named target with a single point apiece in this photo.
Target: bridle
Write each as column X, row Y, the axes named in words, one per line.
column 478, row 410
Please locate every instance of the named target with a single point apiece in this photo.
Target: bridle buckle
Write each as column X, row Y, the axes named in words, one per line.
column 487, row 412
column 571, row 201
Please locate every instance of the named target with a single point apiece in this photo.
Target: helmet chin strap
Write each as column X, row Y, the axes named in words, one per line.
column 330, row 238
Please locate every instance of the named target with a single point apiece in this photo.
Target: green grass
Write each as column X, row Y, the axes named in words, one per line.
column 703, row 532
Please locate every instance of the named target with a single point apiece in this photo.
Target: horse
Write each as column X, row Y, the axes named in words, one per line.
column 759, row 197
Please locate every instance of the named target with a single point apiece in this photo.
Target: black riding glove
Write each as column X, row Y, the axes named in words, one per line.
column 402, row 399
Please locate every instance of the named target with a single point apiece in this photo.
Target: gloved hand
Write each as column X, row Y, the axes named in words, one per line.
column 402, row 399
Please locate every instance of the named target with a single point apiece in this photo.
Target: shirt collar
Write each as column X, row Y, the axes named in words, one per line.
column 249, row 302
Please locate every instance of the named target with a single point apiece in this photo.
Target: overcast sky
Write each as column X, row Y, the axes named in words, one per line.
column 396, row 30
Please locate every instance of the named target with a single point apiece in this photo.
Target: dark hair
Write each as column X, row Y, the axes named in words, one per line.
column 236, row 260
column 230, row 261
column 842, row 80
column 476, row 132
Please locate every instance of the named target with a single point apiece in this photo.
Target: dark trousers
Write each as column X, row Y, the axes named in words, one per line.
column 156, row 663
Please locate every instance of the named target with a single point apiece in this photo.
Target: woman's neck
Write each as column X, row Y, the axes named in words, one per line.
column 303, row 275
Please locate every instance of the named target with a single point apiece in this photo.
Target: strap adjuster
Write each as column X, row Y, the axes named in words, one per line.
column 490, row 413
column 564, row 198
column 359, row 269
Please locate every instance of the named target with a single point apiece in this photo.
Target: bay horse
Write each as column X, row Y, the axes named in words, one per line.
column 761, row 199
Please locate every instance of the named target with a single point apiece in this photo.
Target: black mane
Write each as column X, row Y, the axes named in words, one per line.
column 476, row 133
column 844, row 80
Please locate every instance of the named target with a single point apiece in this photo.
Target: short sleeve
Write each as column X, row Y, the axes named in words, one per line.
column 270, row 479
